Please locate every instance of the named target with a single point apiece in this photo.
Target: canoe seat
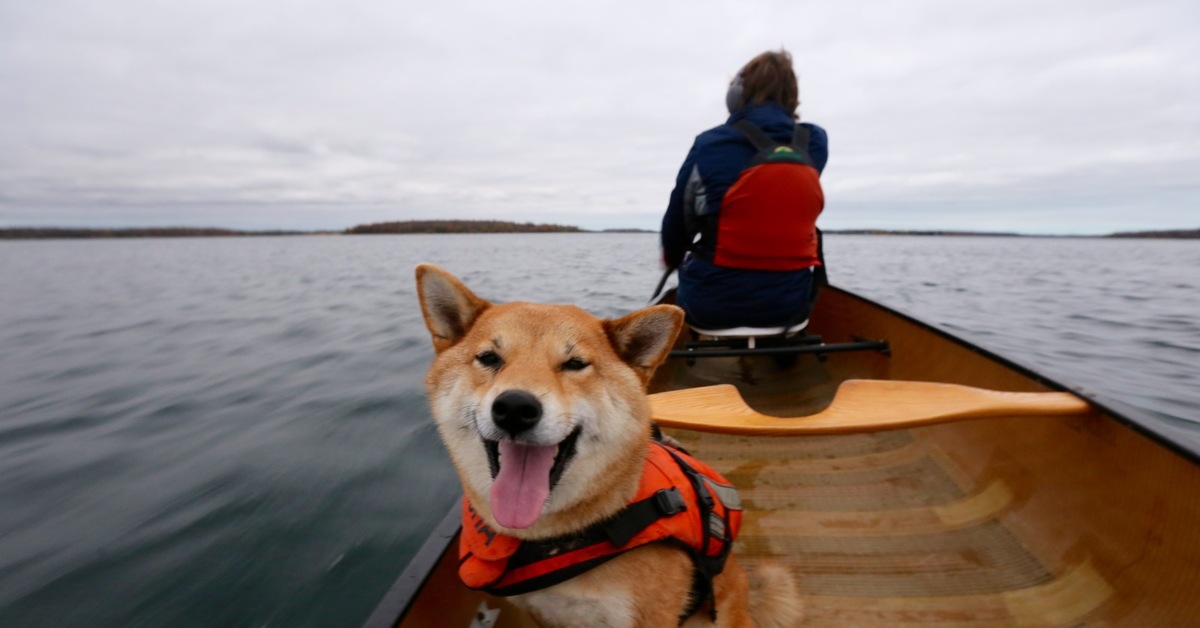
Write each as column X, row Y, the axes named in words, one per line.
column 860, row 405
column 744, row 341
column 751, row 333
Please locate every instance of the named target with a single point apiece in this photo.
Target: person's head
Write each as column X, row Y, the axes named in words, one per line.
column 767, row 78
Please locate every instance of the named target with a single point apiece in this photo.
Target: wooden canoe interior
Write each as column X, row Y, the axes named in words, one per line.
column 1012, row 520
column 885, row 530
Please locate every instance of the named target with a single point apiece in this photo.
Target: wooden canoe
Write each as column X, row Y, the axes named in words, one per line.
column 930, row 484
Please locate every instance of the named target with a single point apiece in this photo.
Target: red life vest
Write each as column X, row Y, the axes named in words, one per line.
column 768, row 217
column 680, row 501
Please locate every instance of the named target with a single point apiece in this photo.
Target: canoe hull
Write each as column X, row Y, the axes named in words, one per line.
column 1011, row 520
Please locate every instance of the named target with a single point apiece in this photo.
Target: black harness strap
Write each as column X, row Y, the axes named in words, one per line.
column 800, row 138
column 639, row 515
column 707, row 567
column 757, row 136
column 769, row 150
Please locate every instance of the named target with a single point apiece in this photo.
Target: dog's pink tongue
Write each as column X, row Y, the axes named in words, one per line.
column 522, row 486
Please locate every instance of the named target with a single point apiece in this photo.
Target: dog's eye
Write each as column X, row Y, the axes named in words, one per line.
column 574, row 364
column 490, row 359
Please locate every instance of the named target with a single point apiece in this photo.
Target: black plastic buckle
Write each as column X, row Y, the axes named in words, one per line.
column 669, row 501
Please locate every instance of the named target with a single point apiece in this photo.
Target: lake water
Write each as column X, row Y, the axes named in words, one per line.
column 232, row 432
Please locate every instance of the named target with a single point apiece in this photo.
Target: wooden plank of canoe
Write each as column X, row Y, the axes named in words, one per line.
column 860, row 405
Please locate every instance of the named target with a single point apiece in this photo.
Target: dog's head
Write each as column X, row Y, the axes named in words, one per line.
column 542, row 407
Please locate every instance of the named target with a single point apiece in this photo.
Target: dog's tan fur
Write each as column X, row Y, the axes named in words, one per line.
column 607, row 401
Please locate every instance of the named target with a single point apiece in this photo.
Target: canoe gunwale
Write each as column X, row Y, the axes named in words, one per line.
column 1148, row 427
column 403, row 592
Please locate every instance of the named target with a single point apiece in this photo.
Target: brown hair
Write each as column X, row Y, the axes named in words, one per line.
column 769, row 78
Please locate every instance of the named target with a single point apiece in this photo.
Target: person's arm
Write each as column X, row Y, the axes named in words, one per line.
column 818, row 146
column 674, row 237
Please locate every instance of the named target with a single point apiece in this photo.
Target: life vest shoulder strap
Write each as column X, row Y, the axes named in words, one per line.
column 770, row 151
column 757, row 136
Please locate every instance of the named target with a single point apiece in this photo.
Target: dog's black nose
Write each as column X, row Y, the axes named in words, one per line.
column 515, row 411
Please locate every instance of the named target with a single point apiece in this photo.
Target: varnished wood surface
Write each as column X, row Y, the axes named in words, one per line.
column 858, row 406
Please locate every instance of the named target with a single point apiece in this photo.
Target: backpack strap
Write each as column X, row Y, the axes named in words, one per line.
column 757, row 136
column 762, row 141
column 771, row 151
column 800, row 138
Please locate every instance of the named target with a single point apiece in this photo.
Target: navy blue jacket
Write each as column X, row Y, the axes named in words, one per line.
column 711, row 295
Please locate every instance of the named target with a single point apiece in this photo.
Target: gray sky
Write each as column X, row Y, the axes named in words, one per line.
column 1078, row 116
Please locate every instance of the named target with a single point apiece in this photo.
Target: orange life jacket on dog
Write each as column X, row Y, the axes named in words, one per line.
column 680, row 501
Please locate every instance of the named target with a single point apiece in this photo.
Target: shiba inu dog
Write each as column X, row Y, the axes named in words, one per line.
column 544, row 413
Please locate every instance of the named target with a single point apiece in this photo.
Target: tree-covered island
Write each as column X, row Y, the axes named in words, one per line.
column 459, row 226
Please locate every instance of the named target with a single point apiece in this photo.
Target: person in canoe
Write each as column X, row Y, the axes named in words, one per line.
column 741, row 222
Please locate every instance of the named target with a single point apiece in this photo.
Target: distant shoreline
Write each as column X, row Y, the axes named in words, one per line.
column 492, row 226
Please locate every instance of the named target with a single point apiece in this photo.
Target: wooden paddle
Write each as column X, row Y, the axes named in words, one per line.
column 860, row 405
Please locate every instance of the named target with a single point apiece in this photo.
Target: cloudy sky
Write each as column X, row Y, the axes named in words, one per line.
column 1076, row 116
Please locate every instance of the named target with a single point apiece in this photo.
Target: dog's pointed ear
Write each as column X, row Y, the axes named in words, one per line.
column 643, row 338
column 448, row 306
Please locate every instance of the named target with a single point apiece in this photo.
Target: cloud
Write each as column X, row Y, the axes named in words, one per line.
column 1017, row 115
